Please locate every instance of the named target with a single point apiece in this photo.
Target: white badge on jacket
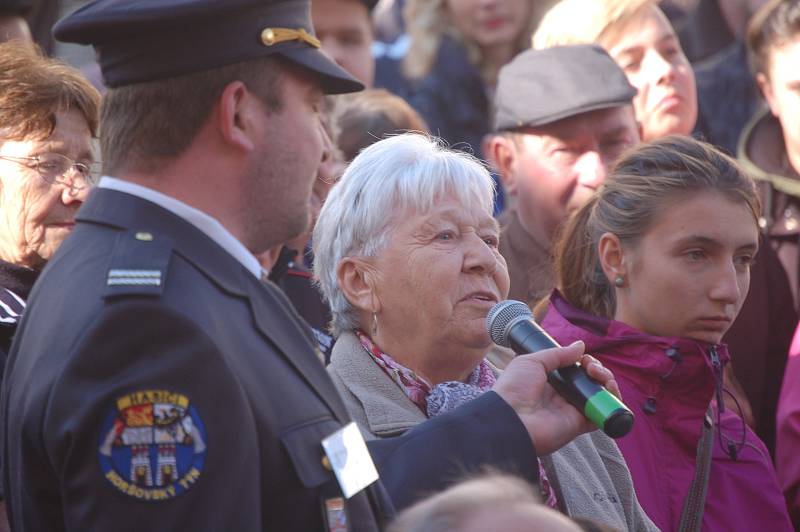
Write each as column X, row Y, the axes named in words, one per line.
column 350, row 459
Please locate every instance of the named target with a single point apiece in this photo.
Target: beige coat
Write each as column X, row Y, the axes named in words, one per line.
column 589, row 474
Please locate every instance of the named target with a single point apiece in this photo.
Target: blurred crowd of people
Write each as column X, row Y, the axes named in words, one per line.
column 256, row 252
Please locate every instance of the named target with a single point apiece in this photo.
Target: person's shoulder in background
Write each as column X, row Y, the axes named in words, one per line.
column 727, row 95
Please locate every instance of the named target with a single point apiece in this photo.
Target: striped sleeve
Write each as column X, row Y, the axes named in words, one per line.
column 11, row 307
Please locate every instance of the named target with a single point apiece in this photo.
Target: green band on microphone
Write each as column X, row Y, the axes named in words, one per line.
column 600, row 406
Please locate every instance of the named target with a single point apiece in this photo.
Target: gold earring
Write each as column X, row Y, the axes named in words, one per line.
column 374, row 325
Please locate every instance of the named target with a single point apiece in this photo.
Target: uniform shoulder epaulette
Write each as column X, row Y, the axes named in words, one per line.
column 11, row 307
column 138, row 264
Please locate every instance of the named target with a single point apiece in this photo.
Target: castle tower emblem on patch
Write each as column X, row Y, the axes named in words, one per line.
column 152, row 445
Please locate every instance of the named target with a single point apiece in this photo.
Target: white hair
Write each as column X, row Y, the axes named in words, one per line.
column 397, row 176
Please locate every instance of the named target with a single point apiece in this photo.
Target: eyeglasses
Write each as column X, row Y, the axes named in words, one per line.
column 54, row 168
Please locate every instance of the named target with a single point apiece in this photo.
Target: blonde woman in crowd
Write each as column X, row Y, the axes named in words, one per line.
column 457, row 48
column 637, row 34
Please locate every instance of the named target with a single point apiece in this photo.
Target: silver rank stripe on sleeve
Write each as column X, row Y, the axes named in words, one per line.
column 134, row 277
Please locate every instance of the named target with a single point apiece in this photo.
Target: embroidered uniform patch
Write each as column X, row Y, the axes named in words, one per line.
column 152, row 445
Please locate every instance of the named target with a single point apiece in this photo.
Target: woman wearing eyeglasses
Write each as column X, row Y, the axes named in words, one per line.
column 651, row 272
column 48, row 115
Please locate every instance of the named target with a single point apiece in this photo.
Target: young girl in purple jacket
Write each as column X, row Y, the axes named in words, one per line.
column 650, row 274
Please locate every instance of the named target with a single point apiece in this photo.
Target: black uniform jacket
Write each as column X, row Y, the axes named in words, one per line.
column 156, row 384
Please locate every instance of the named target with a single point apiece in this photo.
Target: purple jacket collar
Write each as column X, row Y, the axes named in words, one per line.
column 603, row 334
column 669, row 383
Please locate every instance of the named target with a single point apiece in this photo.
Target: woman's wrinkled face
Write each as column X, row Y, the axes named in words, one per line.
column 439, row 275
column 689, row 274
column 649, row 52
column 490, row 23
column 36, row 216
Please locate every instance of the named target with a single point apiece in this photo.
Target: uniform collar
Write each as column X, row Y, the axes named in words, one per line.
column 202, row 221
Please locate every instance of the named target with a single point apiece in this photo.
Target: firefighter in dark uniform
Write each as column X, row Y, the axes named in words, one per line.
column 155, row 382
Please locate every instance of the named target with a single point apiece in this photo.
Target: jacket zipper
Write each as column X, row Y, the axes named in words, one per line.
column 716, row 366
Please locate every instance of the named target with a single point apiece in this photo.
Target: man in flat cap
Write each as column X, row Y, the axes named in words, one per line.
column 563, row 115
column 155, row 382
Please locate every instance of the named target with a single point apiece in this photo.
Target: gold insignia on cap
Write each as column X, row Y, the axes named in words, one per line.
column 272, row 36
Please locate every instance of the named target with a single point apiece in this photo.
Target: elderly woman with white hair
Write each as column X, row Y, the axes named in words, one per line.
column 406, row 253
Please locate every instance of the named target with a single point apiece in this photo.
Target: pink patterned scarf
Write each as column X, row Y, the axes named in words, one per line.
column 444, row 397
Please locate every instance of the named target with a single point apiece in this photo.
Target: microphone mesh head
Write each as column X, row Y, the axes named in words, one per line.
column 503, row 314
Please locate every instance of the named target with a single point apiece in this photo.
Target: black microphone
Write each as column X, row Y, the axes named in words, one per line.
column 510, row 324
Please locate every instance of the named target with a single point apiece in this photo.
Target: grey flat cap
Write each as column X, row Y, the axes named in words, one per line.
column 539, row 87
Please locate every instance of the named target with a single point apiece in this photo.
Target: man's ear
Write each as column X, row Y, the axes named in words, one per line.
column 612, row 257
column 502, row 155
column 639, row 127
column 765, row 87
column 357, row 281
column 236, row 115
